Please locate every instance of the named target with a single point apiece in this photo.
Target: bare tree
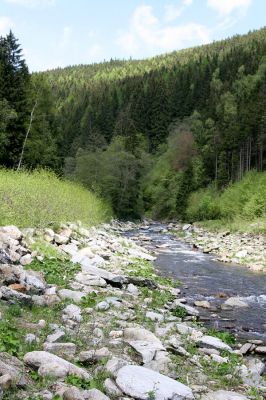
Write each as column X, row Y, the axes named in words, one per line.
column 27, row 134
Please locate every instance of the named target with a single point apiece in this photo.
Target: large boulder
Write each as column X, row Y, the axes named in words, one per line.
column 234, row 302
column 144, row 342
column 53, row 366
column 138, row 382
column 213, row 343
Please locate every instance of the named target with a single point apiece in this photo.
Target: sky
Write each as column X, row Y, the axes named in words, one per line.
column 57, row 33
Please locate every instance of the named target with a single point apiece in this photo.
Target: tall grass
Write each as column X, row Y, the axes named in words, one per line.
column 241, row 205
column 40, row 198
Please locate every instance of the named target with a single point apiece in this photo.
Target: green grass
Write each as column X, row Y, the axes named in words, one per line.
column 40, row 198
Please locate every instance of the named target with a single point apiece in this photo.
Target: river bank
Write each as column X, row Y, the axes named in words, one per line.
column 247, row 249
column 84, row 315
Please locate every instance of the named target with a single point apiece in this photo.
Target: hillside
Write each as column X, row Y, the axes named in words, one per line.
column 144, row 134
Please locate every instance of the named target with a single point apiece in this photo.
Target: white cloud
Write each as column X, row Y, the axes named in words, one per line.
column 32, row 3
column 172, row 11
column 226, row 7
column 65, row 38
column 95, row 53
column 5, row 25
column 147, row 33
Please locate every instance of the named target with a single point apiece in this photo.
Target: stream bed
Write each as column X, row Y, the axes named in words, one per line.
column 203, row 278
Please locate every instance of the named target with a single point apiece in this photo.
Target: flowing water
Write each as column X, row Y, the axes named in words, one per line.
column 203, row 278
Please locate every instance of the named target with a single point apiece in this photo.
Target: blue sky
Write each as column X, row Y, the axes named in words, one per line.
column 67, row 32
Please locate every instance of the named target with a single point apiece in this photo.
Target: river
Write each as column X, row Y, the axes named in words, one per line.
column 203, row 278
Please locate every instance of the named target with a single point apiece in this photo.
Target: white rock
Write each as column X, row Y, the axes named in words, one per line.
column 102, row 306
column 25, row 260
column 234, row 302
column 156, row 317
column 111, row 388
column 202, row 303
column 138, row 381
column 132, row 289
column 65, row 349
column 60, row 239
column 53, row 337
column 11, row 231
column 241, row 253
column 213, row 342
column 52, row 362
column 224, row 395
column 94, row 394
column 72, row 312
column 114, row 365
column 71, row 294
column 90, row 280
column 31, row 338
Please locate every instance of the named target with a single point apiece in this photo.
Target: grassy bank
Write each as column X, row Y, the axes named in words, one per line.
column 240, row 207
column 40, row 198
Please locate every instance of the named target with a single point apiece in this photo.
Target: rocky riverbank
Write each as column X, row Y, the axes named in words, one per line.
column 236, row 248
column 84, row 316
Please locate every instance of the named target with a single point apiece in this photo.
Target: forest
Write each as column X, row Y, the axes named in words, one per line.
column 152, row 137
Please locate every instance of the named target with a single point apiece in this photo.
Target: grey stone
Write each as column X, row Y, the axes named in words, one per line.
column 10, row 294
column 111, row 388
column 94, row 394
column 234, row 302
column 73, row 393
column 72, row 312
column 138, row 381
column 102, row 306
column 213, row 342
column 71, row 294
column 223, row 395
column 63, row 349
column 114, row 365
column 44, row 359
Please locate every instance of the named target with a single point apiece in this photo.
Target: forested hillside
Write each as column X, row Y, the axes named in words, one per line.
column 145, row 134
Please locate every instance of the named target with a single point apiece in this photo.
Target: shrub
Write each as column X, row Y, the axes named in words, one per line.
column 41, row 198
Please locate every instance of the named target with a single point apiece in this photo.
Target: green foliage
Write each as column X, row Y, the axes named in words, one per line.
column 90, row 300
column 40, row 198
column 9, row 338
column 179, row 312
column 226, row 337
column 242, row 200
column 226, row 374
column 97, row 382
column 56, row 271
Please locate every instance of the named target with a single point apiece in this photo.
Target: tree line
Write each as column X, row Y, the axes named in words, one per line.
column 143, row 134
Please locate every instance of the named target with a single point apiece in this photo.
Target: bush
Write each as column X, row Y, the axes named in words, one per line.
column 203, row 205
column 41, row 198
column 241, row 200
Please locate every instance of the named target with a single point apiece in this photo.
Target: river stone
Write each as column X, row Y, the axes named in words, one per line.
column 90, row 280
column 73, row 393
column 43, row 359
column 224, row 395
column 138, row 381
column 190, row 310
column 261, row 349
column 156, row 317
column 202, row 303
column 62, row 349
column 10, row 365
column 111, row 388
column 144, row 342
column 94, row 394
column 11, row 231
column 114, row 365
column 71, row 294
column 234, row 302
column 10, row 294
column 213, row 342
